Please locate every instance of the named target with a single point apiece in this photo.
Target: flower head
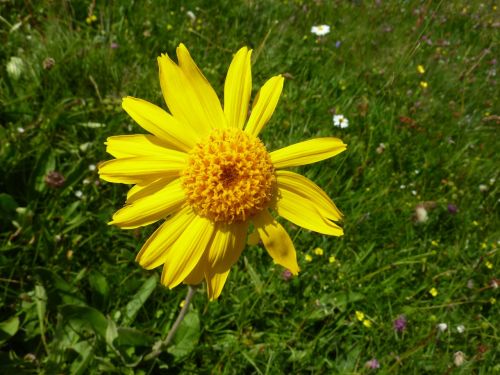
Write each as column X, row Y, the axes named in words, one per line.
column 340, row 121
column 433, row 292
column 320, row 30
column 372, row 364
column 421, row 69
column 15, row 67
column 318, row 251
column 204, row 171
column 442, row 327
column 400, row 323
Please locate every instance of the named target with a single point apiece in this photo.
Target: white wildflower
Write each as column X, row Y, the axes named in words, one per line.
column 458, row 358
column 15, row 67
column 340, row 121
column 320, row 30
column 442, row 327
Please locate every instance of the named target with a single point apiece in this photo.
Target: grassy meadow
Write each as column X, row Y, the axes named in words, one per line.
column 411, row 287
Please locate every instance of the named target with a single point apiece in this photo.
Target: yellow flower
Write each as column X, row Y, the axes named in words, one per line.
column 421, row 69
column 434, row 243
column 367, row 323
column 423, row 84
column 433, row 292
column 308, row 258
column 318, row 251
column 360, row 315
column 493, row 300
column 332, row 259
column 206, row 174
column 91, row 19
column 488, row 264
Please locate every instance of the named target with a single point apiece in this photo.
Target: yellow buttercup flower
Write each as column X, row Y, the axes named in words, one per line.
column 318, row 251
column 360, row 315
column 203, row 170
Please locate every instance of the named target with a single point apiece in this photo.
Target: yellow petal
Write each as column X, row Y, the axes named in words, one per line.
column 158, row 122
column 264, row 106
column 304, row 187
column 187, row 251
column 147, row 188
column 185, row 97
column 138, row 169
column 307, row 152
column 151, row 208
column 238, row 88
column 198, row 273
column 227, row 244
column 215, row 284
column 126, row 146
column 304, row 212
column 157, row 248
column 204, row 92
column 276, row 240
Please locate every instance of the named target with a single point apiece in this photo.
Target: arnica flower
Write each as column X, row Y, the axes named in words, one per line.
column 204, row 171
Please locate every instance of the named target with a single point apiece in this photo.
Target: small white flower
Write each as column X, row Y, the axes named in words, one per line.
column 403, row 186
column 442, row 327
column 191, row 15
column 458, row 358
column 15, row 67
column 320, row 30
column 340, row 121
column 380, row 149
column 78, row 194
column 483, row 188
column 421, row 214
column 460, row 328
column 92, row 167
column 414, row 192
column 86, row 181
column 20, row 130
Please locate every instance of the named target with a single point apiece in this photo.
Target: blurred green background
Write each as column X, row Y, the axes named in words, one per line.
column 418, row 187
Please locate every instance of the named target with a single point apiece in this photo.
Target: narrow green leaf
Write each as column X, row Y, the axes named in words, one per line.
column 254, row 276
column 138, row 300
column 41, row 308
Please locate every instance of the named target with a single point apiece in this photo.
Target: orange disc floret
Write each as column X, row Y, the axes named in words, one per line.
column 229, row 176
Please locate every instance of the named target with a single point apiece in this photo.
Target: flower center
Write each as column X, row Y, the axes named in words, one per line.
column 229, row 176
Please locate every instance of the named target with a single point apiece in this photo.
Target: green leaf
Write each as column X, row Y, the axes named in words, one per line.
column 133, row 337
column 7, row 205
column 138, row 300
column 41, row 306
column 187, row 336
column 111, row 332
column 254, row 276
column 88, row 316
column 8, row 328
column 99, row 285
column 86, row 351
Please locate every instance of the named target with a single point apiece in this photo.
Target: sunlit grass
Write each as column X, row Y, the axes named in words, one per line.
column 72, row 298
